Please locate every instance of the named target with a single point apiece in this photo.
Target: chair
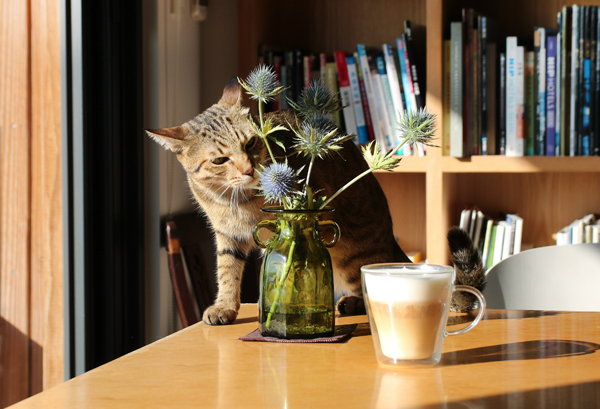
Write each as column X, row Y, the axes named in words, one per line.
column 559, row 278
column 192, row 263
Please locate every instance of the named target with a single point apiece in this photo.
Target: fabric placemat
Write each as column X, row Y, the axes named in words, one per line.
column 340, row 333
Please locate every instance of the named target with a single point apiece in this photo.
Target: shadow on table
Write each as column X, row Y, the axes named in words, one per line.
column 583, row 395
column 519, row 351
column 499, row 315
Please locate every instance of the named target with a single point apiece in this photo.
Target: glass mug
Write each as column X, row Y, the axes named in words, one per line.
column 407, row 305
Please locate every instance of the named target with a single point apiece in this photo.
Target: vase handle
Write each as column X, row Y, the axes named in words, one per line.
column 269, row 224
column 336, row 231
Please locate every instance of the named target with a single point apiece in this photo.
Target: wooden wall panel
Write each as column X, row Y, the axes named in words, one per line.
column 46, row 198
column 14, row 200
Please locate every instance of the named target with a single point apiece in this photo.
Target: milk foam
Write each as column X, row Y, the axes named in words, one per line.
column 421, row 287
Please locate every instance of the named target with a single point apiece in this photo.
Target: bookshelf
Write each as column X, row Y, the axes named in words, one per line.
column 426, row 194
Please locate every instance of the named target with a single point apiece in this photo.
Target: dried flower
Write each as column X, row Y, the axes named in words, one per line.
column 418, row 127
column 277, row 182
column 262, row 84
column 318, row 137
column 316, row 100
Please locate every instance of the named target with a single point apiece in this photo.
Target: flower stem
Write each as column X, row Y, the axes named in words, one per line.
column 347, row 185
column 284, row 275
column 262, row 126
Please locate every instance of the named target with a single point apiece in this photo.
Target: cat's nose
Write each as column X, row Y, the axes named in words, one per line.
column 249, row 171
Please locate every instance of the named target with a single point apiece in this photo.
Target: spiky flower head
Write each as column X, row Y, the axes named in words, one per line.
column 262, row 84
column 379, row 159
column 318, row 137
column 277, row 182
column 316, row 100
column 418, row 127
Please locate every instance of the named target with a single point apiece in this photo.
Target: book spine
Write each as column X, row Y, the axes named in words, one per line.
column 409, row 94
column 574, row 81
column 345, row 93
column 586, row 83
column 483, row 86
column 596, row 150
column 332, row 83
column 456, row 90
column 387, row 93
column 364, row 98
column 565, row 75
column 446, row 80
column 298, row 72
column 382, row 123
column 593, row 58
column 502, row 105
column 529, row 103
column 419, row 100
column 361, row 127
column 467, row 24
column 557, row 117
column 540, row 50
column 551, row 95
column 514, row 97
column 394, row 83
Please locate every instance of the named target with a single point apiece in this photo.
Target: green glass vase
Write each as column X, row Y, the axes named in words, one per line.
column 296, row 280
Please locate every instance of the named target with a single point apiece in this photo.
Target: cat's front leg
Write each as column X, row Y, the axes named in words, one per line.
column 231, row 258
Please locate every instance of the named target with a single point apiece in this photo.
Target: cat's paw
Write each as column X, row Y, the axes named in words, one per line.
column 219, row 315
column 351, row 305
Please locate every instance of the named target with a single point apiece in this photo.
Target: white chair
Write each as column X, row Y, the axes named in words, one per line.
column 559, row 278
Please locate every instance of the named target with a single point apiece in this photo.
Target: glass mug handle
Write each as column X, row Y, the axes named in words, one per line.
column 472, row 325
column 269, row 224
column 336, row 231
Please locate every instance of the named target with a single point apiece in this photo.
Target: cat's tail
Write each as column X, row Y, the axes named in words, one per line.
column 469, row 268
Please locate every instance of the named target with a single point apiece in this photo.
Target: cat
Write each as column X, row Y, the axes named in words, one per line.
column 220, row 154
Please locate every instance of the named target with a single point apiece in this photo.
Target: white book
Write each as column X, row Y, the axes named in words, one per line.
column 562, row 237
column 498, row 244
column 574, row 79
column 465, row 218
column 508, row 240
column 478, row 227
column 394, row 82
column 515, row 101
column 517, row 223
column 595, row 233
column 367, row 80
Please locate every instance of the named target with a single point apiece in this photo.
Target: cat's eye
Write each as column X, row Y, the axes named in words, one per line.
column 220, row 161
column 251, row 143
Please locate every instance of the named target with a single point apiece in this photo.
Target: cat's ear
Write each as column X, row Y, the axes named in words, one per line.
column 232, row 93
column 169, row 138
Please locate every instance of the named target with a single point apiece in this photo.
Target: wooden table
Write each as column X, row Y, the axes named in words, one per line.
column 512, row 359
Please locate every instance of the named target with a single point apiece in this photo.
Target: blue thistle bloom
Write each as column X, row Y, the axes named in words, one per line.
column 277, row 182
column 262, row 84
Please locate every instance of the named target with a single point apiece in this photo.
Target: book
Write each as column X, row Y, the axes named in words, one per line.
column 486, row 242
column 412, row 61
column 515, row 82
column 395, row 89
column 596, row 99
column 409, row 94
column 346, row 94
column 376, row 123
column 573, row 128
column 357, row 104
column 558, row 108
column 551, row 95
column 501, row 124
column 456, row 90
column 380, row 104
column 498, row 242
column 539, row 45
column 446, row 97
column 586, row 70
column 363, row 98
column 492, row 96
column 565, row 77
column 507, row 241
column 530, row 99
column 517, row 237
column 394, row 133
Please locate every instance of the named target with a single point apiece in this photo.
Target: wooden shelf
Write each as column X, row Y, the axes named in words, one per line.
column 527, row 164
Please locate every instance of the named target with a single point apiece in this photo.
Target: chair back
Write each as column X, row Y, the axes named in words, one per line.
column 558, row 278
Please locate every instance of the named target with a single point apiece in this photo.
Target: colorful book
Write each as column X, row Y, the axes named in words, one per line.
column 361, row 126
column 412, row 60
column 501, row 142
column 346, row 94
column 395, row 89
column 394, row 134
column 409, row 94
column 364, row 99
column 515, row 82
column 530, row 99
column 551, row 95
column 380, row 104
column 363, row 62
column 573, row 128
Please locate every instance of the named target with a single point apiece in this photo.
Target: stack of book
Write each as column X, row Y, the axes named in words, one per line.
column 584, row 230
column 376, row 86
column 496, row 239
column 523, row 96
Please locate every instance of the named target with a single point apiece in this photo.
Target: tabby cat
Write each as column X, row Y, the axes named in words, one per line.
column 220, row 154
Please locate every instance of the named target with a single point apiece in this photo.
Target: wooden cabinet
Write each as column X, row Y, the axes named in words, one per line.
column 426, row 194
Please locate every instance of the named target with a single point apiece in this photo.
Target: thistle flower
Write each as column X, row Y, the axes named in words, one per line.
column 262, row 84
column 418, row 127
column 317, row 137
column 380, row 160
column 316, row 100
column 277, row 182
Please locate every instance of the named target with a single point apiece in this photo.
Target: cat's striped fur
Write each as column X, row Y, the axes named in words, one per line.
column 220, row 153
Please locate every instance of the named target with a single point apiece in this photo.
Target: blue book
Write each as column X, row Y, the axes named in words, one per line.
column 551, row 95
column 409, row 94
column 361, row 126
